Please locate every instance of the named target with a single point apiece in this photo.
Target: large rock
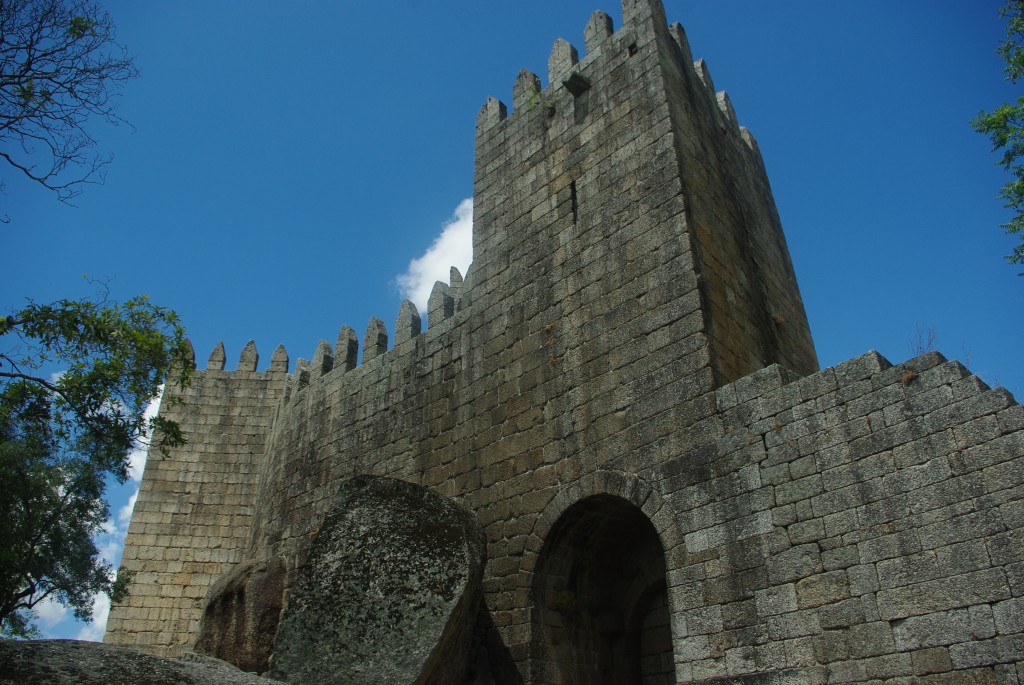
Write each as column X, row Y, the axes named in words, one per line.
column 389, row 592
column 242, row 612
column 70, row 662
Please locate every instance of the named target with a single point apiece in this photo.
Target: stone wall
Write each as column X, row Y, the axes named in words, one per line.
column 194, row 510
column 861, row 524
column 625, row 393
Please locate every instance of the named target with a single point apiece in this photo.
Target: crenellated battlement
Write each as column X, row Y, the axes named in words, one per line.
column 445, row 300
column 248, row 361
column 567, row 72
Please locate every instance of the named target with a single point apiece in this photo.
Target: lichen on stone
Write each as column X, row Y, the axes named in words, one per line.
column 389, row 590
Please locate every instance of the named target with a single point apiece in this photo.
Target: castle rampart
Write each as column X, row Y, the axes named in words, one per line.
column 625, row 393
column 194, row 512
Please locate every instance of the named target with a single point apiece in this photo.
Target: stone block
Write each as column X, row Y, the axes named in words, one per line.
column 838, row 556
column 943, row 594
column 998, row 650
column 962, row 557
column 823, row 588
column 796, row 490
column 806, row 531
column 1009, row 616
column 906, row 570
column 934, row 660
column 972, row 526
column 870, row 639
column 888, row 666
column 842, row 614
column 776, row 600
column 933, row 630
column 795, row 563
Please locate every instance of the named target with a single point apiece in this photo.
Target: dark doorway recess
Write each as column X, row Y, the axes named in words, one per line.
column 600, row 613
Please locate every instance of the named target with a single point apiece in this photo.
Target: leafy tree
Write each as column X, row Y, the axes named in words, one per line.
column 1005, row 125
column 60, row 67
column 63, row 435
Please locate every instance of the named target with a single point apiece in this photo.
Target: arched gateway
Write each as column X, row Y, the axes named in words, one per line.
column 600, row 605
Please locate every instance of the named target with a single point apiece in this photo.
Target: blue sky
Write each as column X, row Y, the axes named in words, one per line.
column 289, row 161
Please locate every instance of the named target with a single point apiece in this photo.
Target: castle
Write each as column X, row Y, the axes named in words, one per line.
column 625, row 393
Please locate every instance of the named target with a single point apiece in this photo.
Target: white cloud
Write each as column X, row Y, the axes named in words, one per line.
column 110, row 539
column 124, row 514
column 453, row 247
column 93, row 632
column 137, row 458
column 110, row 549
column 49, row 612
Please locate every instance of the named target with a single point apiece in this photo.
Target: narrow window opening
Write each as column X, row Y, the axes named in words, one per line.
column 581, row 107
column 575, row 206
column 631, row 49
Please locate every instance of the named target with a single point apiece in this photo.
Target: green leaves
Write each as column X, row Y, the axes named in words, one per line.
column 81, row 26
column 1011, row 51
column 51, row 509
column 63, row 435
column 26, row 91
column 114, row 358
column 1005, row 126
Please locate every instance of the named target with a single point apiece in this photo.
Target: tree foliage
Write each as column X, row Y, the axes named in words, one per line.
column 1005, row 126
column 63, row 434
column 60, row 67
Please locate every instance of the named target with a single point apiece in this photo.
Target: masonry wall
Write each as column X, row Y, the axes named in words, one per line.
column 193, row 515
column 619, row 351
column 752, row 305
column 862, row 524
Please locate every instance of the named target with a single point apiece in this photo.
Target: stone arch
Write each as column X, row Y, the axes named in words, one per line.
column 600, row 610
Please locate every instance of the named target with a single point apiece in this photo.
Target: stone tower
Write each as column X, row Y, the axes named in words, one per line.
column 628, row 187
column 625, row 393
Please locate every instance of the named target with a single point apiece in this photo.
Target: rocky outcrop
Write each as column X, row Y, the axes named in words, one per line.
column 242, row 612
column 388, row 593
column 70, row 662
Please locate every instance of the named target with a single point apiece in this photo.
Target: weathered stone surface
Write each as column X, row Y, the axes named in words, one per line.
column 789, row 676
column 242, row 612
column 71, row 662
column 389, row 592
